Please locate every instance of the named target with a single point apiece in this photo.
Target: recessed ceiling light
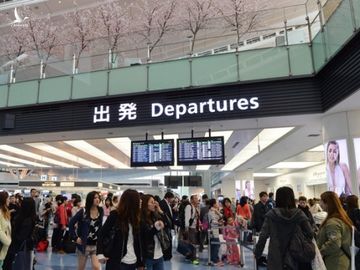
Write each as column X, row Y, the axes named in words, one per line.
column 35, row 164
column 294, row 165
column 123, row 144
column 58, row 152
column 264, row 139
column 21, row 152
column 11, row 164
column 95, row 152
column 266, row 174
column 319, row 148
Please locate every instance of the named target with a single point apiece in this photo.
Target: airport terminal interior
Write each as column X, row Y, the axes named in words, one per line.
column 227, row 98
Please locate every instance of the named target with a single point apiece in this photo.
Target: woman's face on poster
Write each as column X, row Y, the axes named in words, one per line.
column 332, row 153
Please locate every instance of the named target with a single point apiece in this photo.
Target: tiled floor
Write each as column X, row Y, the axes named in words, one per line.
column 49, row 261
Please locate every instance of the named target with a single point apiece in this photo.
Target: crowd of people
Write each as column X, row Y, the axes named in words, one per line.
column 329, row 224
column 136, row 231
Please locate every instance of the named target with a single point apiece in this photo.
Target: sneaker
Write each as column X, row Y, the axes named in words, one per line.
column 220, row 263
column 195, row 262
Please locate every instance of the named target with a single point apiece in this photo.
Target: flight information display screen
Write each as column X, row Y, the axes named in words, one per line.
column 152, row 153
column 200, row 151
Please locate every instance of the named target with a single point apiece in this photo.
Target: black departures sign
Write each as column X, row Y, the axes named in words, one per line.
column 261, row 99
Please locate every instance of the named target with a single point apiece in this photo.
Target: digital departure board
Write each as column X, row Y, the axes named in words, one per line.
column 200, row 151
column 152, row 153
column 173, row 181
column 192, row 181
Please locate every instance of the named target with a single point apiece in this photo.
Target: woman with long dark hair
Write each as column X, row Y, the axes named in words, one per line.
column 89, row 222
column 5, row 226
column 154, row 239
column 22, row 232
column 119, row 239
column 334, row 237
column 279, row 225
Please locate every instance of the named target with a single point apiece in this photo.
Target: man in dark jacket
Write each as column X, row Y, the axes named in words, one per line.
column 303, row 206
column 165, row 206
column 260, row 209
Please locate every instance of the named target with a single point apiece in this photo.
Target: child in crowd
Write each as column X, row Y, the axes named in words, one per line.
column 231, row 235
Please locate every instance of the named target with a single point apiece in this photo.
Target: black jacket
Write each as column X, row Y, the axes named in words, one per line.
column 279, row 225
column 119, row 249
column 147, row 238
column 258, row 217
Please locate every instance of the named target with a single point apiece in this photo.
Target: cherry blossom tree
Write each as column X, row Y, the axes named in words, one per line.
column 13, row 48
column 79, row 31
column 156, row 20
column 41, row 36
column 194, row 16
column 113, row 21
column 240, row 15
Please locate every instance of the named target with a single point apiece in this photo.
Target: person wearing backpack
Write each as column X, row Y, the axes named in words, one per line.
column 334, row 238
column 283, row 225
column 85, row 234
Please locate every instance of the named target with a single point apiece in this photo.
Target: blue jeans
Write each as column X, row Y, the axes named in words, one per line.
column 214, row 250
column 1, row 264
column 152, row 264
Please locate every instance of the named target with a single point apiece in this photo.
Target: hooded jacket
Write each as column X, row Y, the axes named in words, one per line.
column 279, row 225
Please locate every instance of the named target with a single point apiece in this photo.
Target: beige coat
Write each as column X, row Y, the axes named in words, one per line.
column 5, row 235
column 333, row 240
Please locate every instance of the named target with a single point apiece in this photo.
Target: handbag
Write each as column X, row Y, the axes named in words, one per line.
column 163, row 239
column 23, row 258
column 318, row 262
column 68, row 245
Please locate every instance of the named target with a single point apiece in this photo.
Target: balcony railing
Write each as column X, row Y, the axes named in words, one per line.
column 297, row 47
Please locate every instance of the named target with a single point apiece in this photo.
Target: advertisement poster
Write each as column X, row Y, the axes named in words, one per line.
column 238, row 193
column 357, row 156
column 248, row 189
column 337, row 167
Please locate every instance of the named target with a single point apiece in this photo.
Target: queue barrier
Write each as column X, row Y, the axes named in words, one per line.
column 242, row 244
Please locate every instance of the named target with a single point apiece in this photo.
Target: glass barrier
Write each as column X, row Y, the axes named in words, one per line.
column 339, row 28
column 23, row 93
column 3, row 95
column 265, row 52
column 128, row 80
column 55, row 89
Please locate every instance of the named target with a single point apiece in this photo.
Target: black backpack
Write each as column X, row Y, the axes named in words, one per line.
column 301, row 249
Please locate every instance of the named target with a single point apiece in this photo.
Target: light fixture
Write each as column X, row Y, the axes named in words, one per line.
column 21, row 152
column 294, row 165
column 264, row 139
column 58, row 152
column 35, row 164
column 123, row 144
column 169, row 137
column 11, row 164
column 225, row 134
column 95, row 152
column 319, row 148
column 266, row 174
